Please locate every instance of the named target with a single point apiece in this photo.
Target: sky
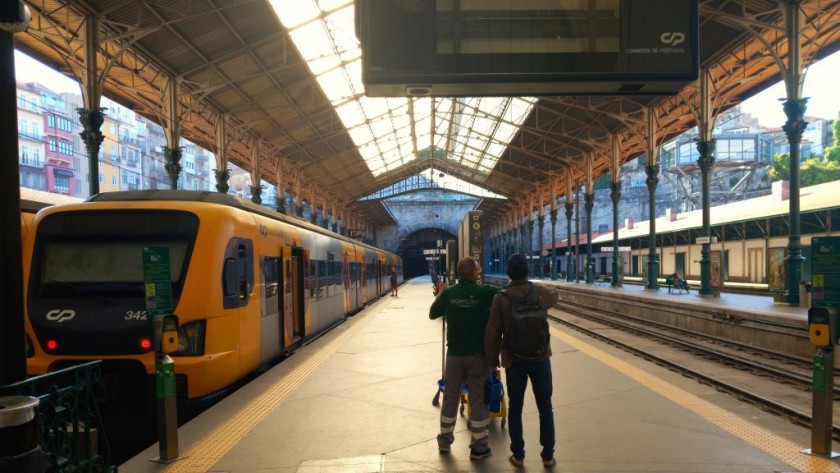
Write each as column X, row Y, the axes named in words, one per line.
column 819, row 81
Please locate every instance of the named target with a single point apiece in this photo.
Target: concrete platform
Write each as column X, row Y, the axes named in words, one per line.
column 359, row 400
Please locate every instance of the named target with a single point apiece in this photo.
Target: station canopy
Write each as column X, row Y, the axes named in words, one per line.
column 287, row 73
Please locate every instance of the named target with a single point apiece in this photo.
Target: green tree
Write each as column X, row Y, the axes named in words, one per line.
column 811, row 171
column 815, row 171
column 780, row 171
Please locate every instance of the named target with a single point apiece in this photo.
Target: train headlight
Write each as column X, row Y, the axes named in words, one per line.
column 191, row 339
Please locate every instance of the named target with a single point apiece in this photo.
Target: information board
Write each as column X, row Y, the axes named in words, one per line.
column 157, row 279
column 527, row 47
column 825, row 272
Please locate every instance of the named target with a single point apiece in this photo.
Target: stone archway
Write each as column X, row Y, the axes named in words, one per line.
column 411, row 248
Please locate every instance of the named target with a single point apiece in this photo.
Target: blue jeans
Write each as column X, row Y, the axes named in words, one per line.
column 517, row 379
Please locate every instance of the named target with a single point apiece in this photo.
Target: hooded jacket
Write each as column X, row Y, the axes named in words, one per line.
column 500, row 317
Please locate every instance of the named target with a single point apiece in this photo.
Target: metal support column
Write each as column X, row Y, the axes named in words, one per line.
column 652, row 180
column 13, row 361
column 553, row 216
column 173, row 164
column 794, row 108
column 706, row 161
column 615, row 195
column 222, row 173
column 569, row 268
column 530, row 247
column 589, row 203
column 256, row 194
column 541, row 226
column 222, row 178
column 577, row 233
column 91, row 116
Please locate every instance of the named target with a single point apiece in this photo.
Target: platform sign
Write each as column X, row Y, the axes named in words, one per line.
column 621, row 249
column 157, row 279
column 825, row 271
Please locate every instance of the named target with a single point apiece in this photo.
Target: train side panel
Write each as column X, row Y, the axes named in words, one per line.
column 248, row 285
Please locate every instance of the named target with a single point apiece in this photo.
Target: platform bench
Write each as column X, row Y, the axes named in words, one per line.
column 602, row 279
column 681, row 286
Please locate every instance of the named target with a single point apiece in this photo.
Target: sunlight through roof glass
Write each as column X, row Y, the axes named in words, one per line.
column 389, row 133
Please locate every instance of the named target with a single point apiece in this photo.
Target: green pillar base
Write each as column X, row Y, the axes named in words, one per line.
column 789, row 298
column 652, row 275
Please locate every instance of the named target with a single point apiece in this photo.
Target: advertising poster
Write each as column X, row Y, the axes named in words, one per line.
column 715, row 272
column 776, row 269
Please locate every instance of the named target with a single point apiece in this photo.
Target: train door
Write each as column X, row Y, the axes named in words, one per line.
column 379, row 289
column 755, row 264
column 364, row 280
column 294, row 300
column 271, row 330
column 356, row 283
column 347, row 284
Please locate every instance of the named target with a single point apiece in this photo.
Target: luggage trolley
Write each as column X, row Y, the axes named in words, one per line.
column 494, row 389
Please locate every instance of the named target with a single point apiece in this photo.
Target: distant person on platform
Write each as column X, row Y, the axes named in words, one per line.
column 536, row 365
column 393, row 281
column 466, row 308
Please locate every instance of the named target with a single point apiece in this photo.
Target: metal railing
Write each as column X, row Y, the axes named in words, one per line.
column 72, row 434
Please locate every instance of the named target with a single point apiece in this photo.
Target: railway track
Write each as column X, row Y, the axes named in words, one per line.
column 775, row 382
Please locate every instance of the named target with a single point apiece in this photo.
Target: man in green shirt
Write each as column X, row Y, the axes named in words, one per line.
column 466, row 307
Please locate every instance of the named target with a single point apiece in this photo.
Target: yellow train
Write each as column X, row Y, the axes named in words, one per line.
column 248, row 286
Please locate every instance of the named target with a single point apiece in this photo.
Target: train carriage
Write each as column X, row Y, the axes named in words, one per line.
column 248, row 286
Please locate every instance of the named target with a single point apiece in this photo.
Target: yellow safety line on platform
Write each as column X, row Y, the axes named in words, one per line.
column 767, row 441
column 202, row 455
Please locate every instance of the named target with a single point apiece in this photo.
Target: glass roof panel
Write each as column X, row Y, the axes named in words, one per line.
column 470, row 131
column 360, row 135
column 350, row 114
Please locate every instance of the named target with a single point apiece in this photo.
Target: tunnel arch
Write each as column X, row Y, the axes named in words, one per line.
column 411, row 248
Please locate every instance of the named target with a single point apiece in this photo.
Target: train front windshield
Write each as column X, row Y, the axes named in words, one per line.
column 87, row 293
column 73, row 268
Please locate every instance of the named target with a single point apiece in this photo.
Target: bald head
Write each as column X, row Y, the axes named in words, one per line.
column 467, row 269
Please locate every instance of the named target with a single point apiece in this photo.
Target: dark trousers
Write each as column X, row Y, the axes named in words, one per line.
column 517, row 380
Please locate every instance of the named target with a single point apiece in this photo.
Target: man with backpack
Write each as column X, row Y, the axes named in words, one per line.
column 518, row 331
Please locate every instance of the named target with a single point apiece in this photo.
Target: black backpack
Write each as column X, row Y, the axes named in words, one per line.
column 528, row 338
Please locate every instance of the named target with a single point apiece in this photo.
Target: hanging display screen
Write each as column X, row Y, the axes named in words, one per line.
column 527, row 47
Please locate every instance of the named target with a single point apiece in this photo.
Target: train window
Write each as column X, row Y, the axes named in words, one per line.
column 323, row 281
column 238, row 273
column 79, row 268
column 229, row 278
column 269, row 296
column 313, row 279
column 336, row 273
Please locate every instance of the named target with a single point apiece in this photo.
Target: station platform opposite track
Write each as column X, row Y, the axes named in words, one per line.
column 359, row 399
